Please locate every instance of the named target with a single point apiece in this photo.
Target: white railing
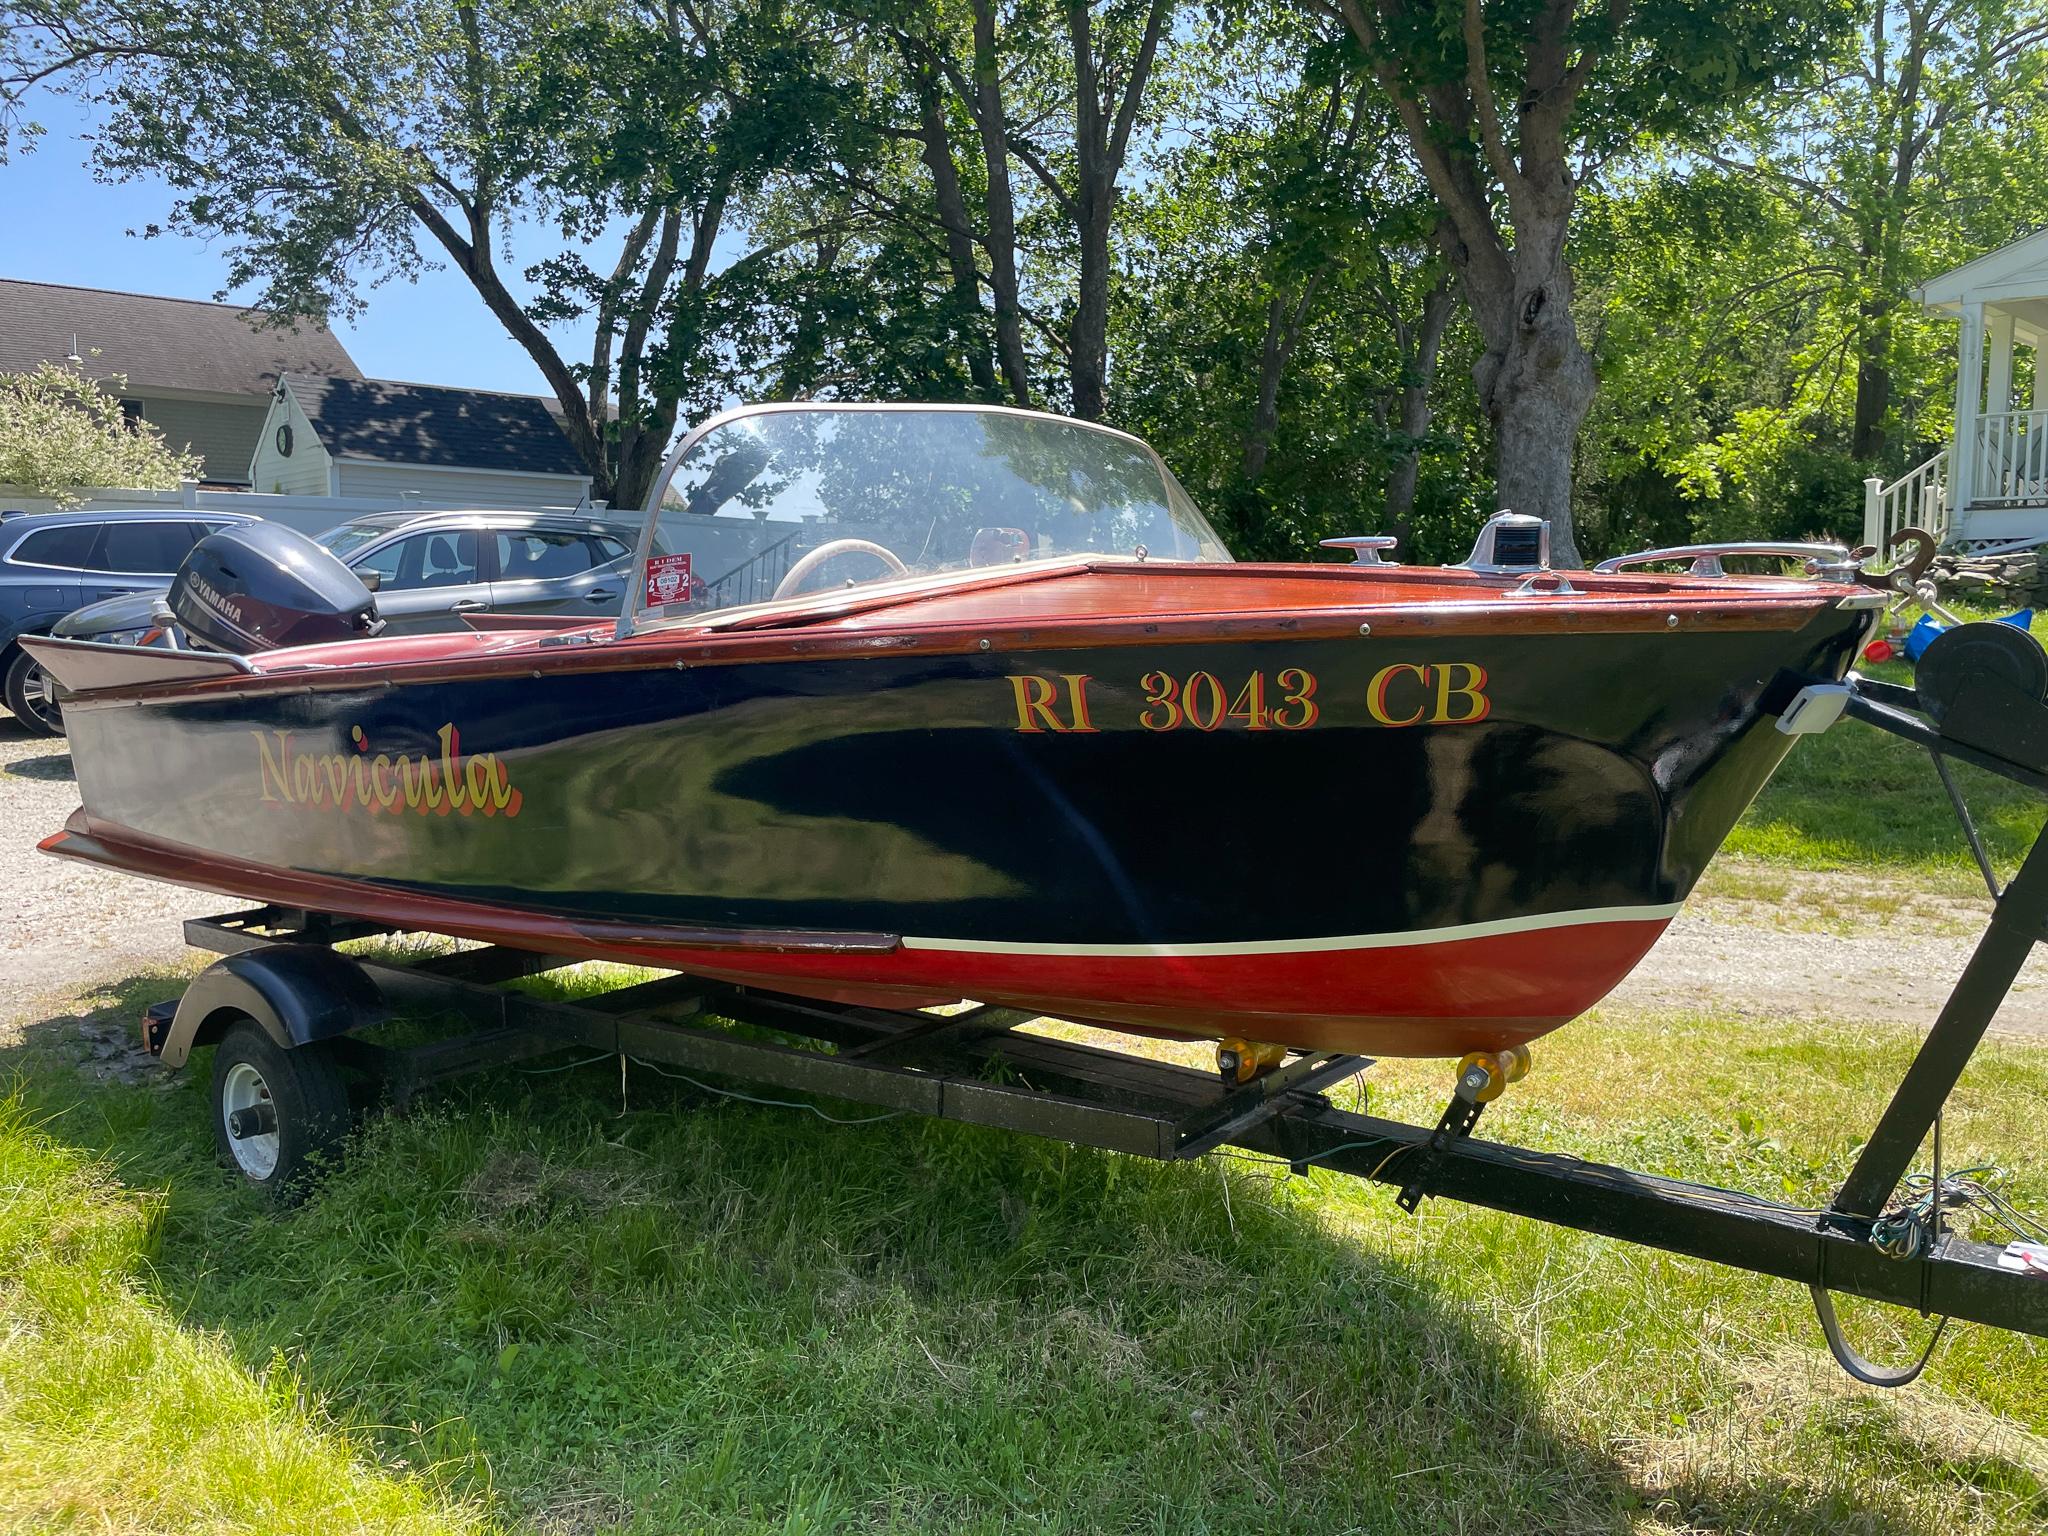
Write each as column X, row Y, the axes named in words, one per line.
column 1917, row 499
column 2010, row 468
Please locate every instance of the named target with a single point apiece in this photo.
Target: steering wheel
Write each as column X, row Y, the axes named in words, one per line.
column 792, row 582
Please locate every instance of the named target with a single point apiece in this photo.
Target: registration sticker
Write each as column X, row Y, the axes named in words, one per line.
column 669, row 580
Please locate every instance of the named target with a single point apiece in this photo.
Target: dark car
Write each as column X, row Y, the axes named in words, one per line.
column 51, row 562
column 429, row 569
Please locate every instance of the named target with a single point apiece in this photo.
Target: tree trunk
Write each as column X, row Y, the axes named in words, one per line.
column 1535, row 380
column 1088, row 366
column 1873, row 385
column 1536, row 383
column 1419, row 373
column 1283, row 334
column 952, row 209
column 1095, row 179
column 1002, row 208
column 1102, row 135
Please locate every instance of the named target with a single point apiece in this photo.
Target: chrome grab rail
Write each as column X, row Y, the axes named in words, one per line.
column 1818, row 559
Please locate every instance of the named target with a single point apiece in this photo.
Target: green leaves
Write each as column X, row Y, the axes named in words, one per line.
column 60, row 430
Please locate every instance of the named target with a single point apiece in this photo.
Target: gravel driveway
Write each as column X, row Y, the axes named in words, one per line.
column 67, row 926
column 64, row 926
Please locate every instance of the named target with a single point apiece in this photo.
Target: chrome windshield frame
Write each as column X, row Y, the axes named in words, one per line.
column 630, row 610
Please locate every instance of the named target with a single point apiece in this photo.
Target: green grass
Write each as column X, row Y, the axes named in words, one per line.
column 1854, row 797
column 532, row 1308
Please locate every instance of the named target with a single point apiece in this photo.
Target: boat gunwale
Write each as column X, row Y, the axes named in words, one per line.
column 1701, row 605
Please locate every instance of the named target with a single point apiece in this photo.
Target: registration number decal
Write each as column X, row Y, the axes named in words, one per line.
column 1399, row 695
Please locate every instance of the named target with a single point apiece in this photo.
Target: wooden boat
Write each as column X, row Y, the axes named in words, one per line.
column 1042, row 745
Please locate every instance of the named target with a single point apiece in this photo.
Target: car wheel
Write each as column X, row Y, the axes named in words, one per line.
column 27, row 695
column 279, row 1116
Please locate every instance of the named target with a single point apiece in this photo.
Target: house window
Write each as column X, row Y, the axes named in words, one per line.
column 131, row 413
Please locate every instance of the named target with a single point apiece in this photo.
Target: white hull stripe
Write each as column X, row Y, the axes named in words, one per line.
column 1451, row 935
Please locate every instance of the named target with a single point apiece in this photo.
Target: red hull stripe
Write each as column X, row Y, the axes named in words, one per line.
column 1479, row 986
column 1416, row 999
column 1446, row 935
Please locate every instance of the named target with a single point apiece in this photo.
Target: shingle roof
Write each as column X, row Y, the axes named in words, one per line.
column 168, row 343
column 396, row 423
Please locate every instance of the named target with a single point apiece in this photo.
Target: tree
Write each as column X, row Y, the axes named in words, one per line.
column 1509, row 107
column 1293, row 299
column 1725, row 388
column 1758, row 342
column 1902, row 163
column 60, row 431
column 337, row 146
column 1025, row 119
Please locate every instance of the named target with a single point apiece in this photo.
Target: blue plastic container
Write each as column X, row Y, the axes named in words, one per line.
column 1922, row 634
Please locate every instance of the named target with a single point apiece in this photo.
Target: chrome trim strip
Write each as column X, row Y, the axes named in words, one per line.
column 1450, row 935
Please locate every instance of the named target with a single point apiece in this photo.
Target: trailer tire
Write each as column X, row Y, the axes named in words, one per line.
column 291, row 1107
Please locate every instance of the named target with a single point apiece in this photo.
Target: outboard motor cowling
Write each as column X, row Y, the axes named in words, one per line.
column 259, row 586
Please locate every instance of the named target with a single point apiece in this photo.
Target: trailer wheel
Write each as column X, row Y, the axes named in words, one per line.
column 278, row 1115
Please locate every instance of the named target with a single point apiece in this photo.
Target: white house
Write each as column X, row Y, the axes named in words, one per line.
column 339, row 437
column 1989, row 488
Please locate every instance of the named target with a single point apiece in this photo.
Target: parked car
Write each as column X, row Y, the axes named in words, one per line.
column 52, row 562
column 429, row 570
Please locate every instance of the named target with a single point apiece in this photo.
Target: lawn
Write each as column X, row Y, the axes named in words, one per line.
column 1854, row 798
column 531, row 1307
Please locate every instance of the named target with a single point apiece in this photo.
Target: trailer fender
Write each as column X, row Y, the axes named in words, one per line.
column 296, row 994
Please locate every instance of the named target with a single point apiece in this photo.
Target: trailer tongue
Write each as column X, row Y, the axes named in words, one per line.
column 285, row 1009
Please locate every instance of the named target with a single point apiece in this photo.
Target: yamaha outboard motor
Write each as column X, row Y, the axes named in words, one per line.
column 258, row 586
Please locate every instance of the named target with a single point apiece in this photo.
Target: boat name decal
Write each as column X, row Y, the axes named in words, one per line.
column 440, row 784
column 1401, row 694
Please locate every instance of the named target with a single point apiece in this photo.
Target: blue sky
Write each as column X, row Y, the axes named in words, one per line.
column 59, row 225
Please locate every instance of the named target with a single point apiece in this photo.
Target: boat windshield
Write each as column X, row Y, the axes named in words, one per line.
column 779, row 501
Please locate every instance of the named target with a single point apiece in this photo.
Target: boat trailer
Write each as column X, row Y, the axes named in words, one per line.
column 288, row 1011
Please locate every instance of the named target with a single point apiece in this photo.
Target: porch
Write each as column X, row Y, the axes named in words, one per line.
column 1989, row 488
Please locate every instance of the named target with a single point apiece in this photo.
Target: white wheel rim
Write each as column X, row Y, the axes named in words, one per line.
column 254, row 1155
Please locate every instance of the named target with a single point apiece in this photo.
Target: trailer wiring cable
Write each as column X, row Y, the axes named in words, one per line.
column 1906, row 1229
column 723, row 1093
column 1718, row 1194
column 749, row 1098
column 1289, row 1164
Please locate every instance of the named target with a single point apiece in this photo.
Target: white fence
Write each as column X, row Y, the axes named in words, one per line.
column 308, row 514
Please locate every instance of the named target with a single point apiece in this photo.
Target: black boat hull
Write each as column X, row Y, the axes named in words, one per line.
column 1414, row 844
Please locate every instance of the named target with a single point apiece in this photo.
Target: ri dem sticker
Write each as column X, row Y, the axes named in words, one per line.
column 669, row 580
